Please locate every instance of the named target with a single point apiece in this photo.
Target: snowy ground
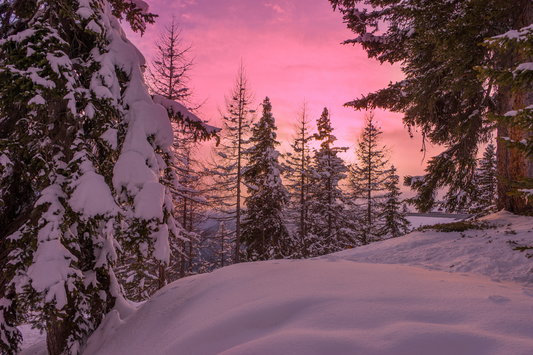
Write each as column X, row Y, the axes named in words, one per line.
column 425, row 293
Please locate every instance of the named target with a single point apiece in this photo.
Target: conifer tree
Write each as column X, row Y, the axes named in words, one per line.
column 168, row 73
column 329, row 225
column 229, row 154
column 438, row 46
column 264, row 234
column 296, row 168
column 368, row 179
column 91, row 151
column 486, row 181
column 392, row 215
column 223, row 245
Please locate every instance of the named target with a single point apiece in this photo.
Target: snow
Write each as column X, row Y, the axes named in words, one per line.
column 524, row 66
column 92, row 196
column 175, row 107
column 149, row 201
column 38, row 100
column 417, row 221
column 393, row 297
column 110, row 136
column 423, row 293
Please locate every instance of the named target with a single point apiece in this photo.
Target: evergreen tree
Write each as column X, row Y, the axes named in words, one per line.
column 329, row 225
column 92, row 154
column 437, row 44
column 368, row 179
column 168, row 73
column 263, row 230
column 229, row 154
column 223, row 245
column 296, row 168
column 486, row 181
column 394, row 223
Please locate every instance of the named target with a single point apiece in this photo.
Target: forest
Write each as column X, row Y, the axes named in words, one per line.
column 104, row 197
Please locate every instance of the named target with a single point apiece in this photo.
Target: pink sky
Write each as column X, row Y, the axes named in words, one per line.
column 292, row 52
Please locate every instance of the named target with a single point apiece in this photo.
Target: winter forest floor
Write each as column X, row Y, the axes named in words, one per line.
column 428, row 292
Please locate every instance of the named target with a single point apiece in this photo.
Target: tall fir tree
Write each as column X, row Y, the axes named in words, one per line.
column 229, row 154
column 368, row 178
column 264, row 234
column 329, row 225
column 296, row 169
column 392, row 215
column 92, row 152
column 438, row 46
column 169, row 72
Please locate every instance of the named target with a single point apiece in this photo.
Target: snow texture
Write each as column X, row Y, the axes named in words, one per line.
column 424, row 293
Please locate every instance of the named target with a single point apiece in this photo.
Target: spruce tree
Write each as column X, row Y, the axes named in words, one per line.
column 392, row 215
column 486, row 182
column 223, row 246
column 296, row 169
column 229, row 154
column 89, row 148
column 368, row 178
column 329, row 227
column 168, row 73
column 438, row 46
column 264, row 234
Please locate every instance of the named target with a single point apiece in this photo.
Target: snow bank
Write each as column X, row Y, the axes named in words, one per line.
column 486, row 252
column 322, row 306
column 424, row 293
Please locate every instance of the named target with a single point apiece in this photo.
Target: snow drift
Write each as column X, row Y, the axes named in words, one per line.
column 425, row 293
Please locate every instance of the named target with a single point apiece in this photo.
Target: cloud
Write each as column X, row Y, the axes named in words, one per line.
column 276, row 8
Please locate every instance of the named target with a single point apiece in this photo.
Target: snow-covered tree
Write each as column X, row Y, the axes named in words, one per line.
column 92, row 152
column 168, row 73
column 297, row 165
column 437, row 43
column 229, row 159
column 486, row 182
column 264, row 234
column 330, row 229
column 367, row 179
column 392, row 214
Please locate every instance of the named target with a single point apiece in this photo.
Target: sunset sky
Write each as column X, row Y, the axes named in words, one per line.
column 292, row 52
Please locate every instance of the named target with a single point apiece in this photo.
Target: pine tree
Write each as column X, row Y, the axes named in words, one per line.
column 438, row 46
column 486, row 181
column 368, row 179
column 223, row 245
column 92, row 152
column 392, row 215
column 264, row 234
column 296, row 168
column 229, row 159
column 168, row 73
column 329, row 227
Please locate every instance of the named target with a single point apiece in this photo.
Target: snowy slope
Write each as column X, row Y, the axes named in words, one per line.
column 390, row 298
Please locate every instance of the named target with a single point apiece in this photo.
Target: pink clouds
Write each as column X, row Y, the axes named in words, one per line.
column 292, row 53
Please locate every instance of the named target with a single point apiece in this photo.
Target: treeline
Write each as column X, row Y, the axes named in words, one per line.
column 303, row 203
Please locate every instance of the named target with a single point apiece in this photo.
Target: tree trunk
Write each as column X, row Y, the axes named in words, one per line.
column 56, row 336
column 513, row 165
